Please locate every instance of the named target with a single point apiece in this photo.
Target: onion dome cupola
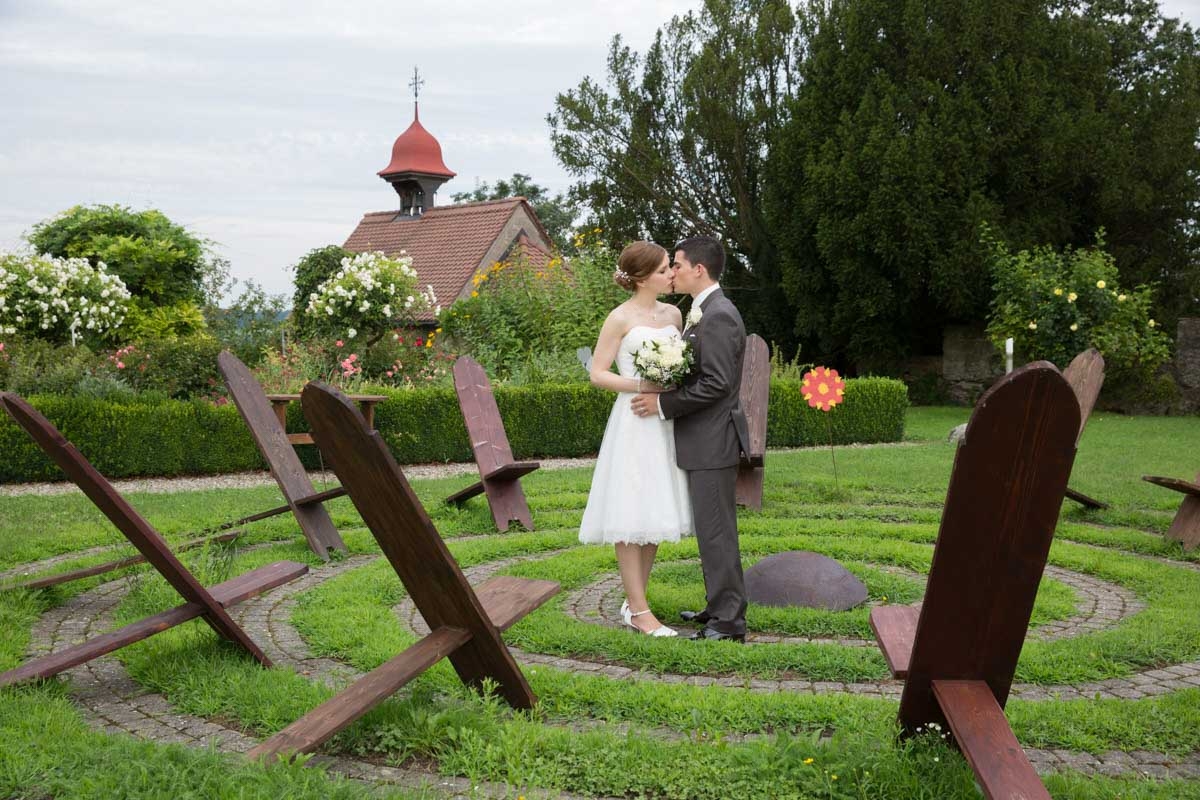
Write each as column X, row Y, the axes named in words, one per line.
column 416, row 170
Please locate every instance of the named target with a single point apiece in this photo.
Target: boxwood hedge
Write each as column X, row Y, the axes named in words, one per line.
column 168, row 437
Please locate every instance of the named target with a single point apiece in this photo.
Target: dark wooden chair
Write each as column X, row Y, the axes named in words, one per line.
column 1185, row 527
column 500, row 476
column 208, row 603
column 1085, row 373
column 754, row 396
column 303, row 500
column 465, row 624
column 957, row 655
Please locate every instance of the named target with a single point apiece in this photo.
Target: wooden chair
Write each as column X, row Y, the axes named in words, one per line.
column 754, row 397
column 1185, row 528
column 303, row 500
column 500, row 476
column 957, row 655
column 208, row 603
column 1085, row 373
column 465, row 624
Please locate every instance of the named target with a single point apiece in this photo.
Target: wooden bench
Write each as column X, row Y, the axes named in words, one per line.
column 465, row 624
column 303, row 500
column 207, row 603
column 1185, row 527
column 958, row 653
column 1085, row 373
column 754, row 397
column 500, row 476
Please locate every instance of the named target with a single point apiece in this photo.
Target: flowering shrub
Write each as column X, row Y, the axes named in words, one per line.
column 518, row 311
column 59, row 299
column 1055, row 305
column 368, row 296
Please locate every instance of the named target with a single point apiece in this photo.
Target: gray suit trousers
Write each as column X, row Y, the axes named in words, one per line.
column 714, row 511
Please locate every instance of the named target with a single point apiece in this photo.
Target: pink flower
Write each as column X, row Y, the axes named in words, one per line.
column 339, row 342
column 420, row 342
column 120, row 365
column 353, row 357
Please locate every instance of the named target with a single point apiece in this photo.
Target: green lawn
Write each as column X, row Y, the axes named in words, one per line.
column 650, row 736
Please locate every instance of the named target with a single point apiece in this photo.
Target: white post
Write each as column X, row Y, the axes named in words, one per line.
column 1008, row 353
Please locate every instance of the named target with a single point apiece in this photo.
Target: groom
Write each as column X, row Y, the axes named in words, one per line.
column 710, row 430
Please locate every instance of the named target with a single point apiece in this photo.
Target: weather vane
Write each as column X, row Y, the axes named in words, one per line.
column 416, row 84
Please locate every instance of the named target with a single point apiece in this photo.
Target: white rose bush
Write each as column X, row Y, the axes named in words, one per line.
column 63, row 300
column 370, row 295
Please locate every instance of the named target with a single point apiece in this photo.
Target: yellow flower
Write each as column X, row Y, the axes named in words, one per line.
column 474, row 294
column 1033, row 326
column 1152, row 323
column 808, row 761
column 1058, row 292
column 1074, row 326
column 833, row 776
column 429, row 342
column 1100, row 284
column 1072, row 297
column 439, row 330
column 1120, row 298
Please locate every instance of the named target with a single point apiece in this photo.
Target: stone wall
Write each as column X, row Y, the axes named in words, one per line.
column 970, row 362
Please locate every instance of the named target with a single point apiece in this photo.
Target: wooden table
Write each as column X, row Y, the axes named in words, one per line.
column 279, row 403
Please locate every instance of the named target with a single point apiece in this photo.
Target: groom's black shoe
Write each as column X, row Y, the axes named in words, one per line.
column 694, row 616
column 710, row 635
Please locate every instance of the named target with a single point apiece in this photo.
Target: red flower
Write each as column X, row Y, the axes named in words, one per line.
column 822, row 388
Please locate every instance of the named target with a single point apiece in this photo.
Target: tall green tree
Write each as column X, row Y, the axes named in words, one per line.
column 915, row 122
column 557, row 213
column 676, row 142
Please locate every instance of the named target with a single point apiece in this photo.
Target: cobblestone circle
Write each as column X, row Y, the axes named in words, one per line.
column 112, row 702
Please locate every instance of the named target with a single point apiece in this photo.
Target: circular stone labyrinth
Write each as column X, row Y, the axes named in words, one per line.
column 113, row 702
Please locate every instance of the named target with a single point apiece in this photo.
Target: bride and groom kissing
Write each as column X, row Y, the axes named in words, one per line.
column 667, row 465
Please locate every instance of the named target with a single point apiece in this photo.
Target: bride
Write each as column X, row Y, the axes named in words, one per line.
column 639, row 497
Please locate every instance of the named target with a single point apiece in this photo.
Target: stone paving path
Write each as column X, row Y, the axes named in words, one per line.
column 114, row 703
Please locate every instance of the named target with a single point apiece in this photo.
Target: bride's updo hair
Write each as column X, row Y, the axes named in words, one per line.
column 636, row 263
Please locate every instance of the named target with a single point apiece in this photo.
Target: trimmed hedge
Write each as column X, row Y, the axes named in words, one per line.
column 419, row 425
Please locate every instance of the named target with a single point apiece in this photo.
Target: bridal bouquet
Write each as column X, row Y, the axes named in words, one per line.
column 666, row 361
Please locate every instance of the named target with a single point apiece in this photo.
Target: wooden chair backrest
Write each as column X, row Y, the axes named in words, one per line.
column 140, row 533
column 259, row 416
column 1085, row 373
column 1007, row 486
column 481, row 415
column 377, row 487
column 756, row 391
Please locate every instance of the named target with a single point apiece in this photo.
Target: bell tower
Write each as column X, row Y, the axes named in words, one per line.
column 416, row 170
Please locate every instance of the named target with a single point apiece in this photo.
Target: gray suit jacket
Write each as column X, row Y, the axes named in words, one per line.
column 710, row 428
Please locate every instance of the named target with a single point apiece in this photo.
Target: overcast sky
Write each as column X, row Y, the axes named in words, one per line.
column 262, row 125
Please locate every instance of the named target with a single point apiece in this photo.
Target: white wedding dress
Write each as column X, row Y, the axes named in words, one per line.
column 638, row 494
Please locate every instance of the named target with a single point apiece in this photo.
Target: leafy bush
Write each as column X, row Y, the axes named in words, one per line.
column 369, row 295
column 59, row 299
column 160, row 437
column 254, row 322
column 316, row 267
column 156, row 259
column 35, row 366
column 1055, row 305
column 518, row 309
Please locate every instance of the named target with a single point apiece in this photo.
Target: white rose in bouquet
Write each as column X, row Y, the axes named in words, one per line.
column 666, row 362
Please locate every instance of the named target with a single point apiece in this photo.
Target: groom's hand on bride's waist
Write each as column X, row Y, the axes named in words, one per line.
column 645, row 404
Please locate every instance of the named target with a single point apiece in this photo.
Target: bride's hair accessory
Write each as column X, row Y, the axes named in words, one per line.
column 621, row 275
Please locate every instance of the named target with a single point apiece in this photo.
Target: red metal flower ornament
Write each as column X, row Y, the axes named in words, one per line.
column 822, row 388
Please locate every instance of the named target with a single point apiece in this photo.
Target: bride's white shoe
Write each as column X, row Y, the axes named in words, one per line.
column 661, row 630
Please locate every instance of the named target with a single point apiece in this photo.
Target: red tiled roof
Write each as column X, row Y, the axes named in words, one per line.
column 447, row 243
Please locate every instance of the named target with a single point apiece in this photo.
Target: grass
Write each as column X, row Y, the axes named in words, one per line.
column 640, row 738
